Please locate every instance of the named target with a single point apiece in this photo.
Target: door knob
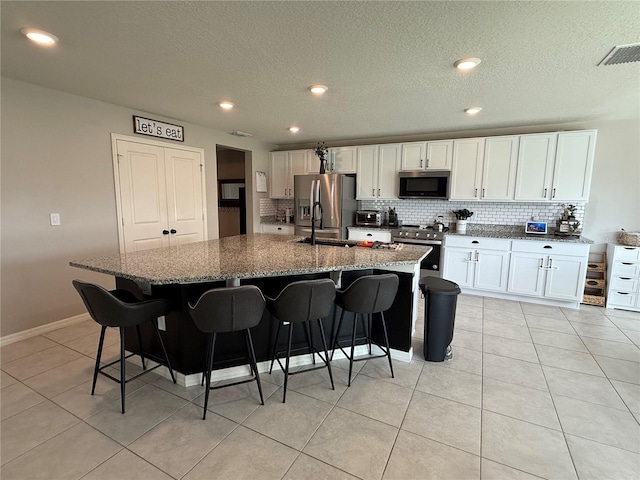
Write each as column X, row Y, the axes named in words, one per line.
column 165, row 232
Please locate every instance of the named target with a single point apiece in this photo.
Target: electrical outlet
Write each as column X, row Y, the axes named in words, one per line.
column 162, row 324
column 55, row 219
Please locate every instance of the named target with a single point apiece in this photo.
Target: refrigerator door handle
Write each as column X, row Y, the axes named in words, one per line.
column 311, row 198
column 317, row 199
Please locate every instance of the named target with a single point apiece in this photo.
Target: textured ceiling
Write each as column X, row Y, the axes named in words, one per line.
column 388, row 65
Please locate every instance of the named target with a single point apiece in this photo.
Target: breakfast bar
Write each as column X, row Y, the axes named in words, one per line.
column 182, row 273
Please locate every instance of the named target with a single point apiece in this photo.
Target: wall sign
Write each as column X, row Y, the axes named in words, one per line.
column 154, row 128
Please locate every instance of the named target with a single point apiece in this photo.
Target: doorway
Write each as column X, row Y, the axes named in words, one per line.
column 232, row 191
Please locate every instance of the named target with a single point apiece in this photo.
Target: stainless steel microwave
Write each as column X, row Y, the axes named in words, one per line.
column 424, row 184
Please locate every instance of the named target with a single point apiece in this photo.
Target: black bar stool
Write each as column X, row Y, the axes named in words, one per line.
column 365, row 296
column 223, row 310
column 121, row 309
column 302, row 302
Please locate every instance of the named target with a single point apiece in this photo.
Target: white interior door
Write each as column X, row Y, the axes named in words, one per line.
column 161, row 196
column 185, row 213
column 143, row 196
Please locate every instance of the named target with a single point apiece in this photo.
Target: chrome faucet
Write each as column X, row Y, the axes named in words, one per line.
column 313, row 221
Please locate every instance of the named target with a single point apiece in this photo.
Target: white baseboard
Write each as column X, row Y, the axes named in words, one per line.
column 243, row 370
column 34, row 332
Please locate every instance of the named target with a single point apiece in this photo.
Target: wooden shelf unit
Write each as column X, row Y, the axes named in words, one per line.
column 595, row 285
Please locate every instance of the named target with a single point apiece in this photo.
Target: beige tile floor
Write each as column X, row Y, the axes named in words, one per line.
column 531, row 392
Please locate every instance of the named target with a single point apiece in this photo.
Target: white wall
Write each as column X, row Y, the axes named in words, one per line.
column 56, row 157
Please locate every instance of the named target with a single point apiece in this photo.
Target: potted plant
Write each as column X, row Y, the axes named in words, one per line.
column 321, row 152
column 462, row 216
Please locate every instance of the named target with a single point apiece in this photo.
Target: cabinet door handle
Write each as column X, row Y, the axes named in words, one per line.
column 477, row 256
column 545, row 193
column 553, row 195
column 483, row 193
column 279, row 228
column 629, row 248
column 541, row 260
column 475, row 193
column 551, row 267
column 373, row 192
column 427, row 163
column 547, row 246
column 369, row 234
column 475, row 241
column 378, row 192
column 622, row 293
column 421, row 163
column 627, row 263
column 625, row 278
column 285, row 192
column 165, row 232
column 173, row 230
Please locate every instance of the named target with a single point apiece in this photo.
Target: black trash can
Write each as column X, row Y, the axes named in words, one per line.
column 441, row 297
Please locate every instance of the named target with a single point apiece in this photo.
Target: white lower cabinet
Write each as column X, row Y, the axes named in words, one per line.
column 553, row 271
column 550, row 270
column 623, row 277
column 278, row 229
column 480, row 263
column 370, row 235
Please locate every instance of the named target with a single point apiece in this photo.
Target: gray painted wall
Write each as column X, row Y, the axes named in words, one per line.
column 56, row 157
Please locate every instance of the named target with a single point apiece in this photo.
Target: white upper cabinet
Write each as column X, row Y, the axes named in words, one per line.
column 427, row 155
column 388, row 166
column 499, row 168
column 342, row 160
column 377, row 168
column 573, row 166
column 466, row 169
column 282, row 168
column 534, row 174
column 279, row 175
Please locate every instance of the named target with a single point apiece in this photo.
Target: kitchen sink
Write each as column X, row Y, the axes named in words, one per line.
column 333, row 242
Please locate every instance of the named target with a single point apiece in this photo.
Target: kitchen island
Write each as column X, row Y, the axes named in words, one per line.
column 182, row 273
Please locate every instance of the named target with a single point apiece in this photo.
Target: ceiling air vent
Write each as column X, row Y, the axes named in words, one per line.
column 622, row 54
column 238, row 133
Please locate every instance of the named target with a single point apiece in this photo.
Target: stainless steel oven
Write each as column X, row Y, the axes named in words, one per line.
column 422, row 235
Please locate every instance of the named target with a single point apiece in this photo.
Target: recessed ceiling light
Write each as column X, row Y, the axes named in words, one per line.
column 226, row 105
column 466, row 63
column 472, row 110
column 294, row 129
column 318, row 89
column 39, row 36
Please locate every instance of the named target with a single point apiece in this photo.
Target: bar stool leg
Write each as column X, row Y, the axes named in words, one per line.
column 309, row 330
column 326, row 352
column 206, row 359
column 122, row 379
column 144, row 367
column 353, row 345
column 275, row 347
column 98, row 357
column 254, row 364
column 335, row 339
column 208, row 377
column 164, row 350
column 369, row 316
column 386, row 341
column 286, row 368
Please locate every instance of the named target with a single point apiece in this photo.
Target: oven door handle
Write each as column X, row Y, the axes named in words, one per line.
column 419, row 242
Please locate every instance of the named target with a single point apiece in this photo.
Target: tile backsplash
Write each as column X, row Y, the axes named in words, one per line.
column 269, row 206
column 424, row 212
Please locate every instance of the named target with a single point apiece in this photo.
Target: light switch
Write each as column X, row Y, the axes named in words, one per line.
column 55, row 219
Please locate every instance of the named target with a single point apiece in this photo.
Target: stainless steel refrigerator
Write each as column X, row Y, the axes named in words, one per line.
column 336, row 193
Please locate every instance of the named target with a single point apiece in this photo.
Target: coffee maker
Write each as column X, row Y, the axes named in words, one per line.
column 393, row 218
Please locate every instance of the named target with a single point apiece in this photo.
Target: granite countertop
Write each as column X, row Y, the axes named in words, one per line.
column 515, row 233
column 271, row 220
column 244, row 256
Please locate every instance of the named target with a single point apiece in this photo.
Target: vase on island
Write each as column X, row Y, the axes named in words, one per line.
column 461, row 226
